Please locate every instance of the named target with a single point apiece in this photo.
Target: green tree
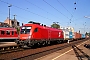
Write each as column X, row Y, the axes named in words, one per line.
column 89, row 34
column 86, row 33
column 55, row 25
column 18, row 30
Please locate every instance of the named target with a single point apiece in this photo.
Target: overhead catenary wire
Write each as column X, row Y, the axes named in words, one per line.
column 4, row 13
column 36, row 6
column 27, row 11
column 55, row 9
column 42, row 9
column 64, row 7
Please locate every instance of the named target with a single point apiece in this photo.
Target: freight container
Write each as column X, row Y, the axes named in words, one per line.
column 73, row 35
column 70, row 35
column 80, row 35
column 83, row 36
column 66, row 35
column 77, row 35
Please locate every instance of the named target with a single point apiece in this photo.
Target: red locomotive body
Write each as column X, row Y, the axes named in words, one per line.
column 56, row 34
column 7, row 34
column 35, row 33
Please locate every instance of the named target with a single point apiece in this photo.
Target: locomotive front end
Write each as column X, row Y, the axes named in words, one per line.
column 25, row 36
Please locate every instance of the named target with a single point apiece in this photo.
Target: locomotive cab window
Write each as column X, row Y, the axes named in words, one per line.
column 25, row 30
column 36, row 30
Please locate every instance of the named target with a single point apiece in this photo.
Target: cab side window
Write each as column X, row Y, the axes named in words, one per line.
column 36, row 30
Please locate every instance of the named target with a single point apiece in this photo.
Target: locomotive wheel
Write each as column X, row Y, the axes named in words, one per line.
column 20, row 46
column 44, row 43
column 38, row 44
column 59, row 41
column 27, row 47
column 48, row 42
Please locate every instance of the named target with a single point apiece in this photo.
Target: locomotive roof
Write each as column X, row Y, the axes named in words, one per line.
column 35, row 25
column 7, row 28
column 40, row 26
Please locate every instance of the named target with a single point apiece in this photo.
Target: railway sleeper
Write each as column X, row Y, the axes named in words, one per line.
column 8, row 48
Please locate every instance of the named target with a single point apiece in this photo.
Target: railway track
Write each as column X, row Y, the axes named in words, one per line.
column 42, row 53
column 10, row 49
column 37, row 52
column 80, row 54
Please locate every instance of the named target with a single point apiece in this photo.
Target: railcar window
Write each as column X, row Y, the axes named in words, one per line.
column 12, row 32
column 36, row 30
column 2, row 32
column 8, row 32
column 25, row 30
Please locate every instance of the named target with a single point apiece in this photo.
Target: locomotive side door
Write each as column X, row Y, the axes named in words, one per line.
column 49, row 35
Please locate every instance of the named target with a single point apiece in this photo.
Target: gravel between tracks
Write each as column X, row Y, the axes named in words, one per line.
column 31, row 52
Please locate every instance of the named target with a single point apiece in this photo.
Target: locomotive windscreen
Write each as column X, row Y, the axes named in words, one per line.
column 25, row 30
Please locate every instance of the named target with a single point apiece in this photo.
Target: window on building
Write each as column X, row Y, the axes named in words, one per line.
column 12, row 22
column 17, row 23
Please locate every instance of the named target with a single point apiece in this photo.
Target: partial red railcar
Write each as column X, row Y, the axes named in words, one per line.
column 36, row 33
column 8, row 34
column 77, row 35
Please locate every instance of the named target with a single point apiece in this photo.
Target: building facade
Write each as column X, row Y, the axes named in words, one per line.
column 2, row 24
column 12, row 22
column 68, row 28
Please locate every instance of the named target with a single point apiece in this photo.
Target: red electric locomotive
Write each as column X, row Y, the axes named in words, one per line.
column 8, row 34
column 34, row 33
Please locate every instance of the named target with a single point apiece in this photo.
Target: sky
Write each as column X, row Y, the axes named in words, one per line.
column 49, row 11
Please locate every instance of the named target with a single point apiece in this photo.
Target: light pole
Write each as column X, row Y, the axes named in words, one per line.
column 15, row 21
column 9, row 13
column 84, row 27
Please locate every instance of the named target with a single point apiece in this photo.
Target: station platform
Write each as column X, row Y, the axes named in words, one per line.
column 5, row 44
